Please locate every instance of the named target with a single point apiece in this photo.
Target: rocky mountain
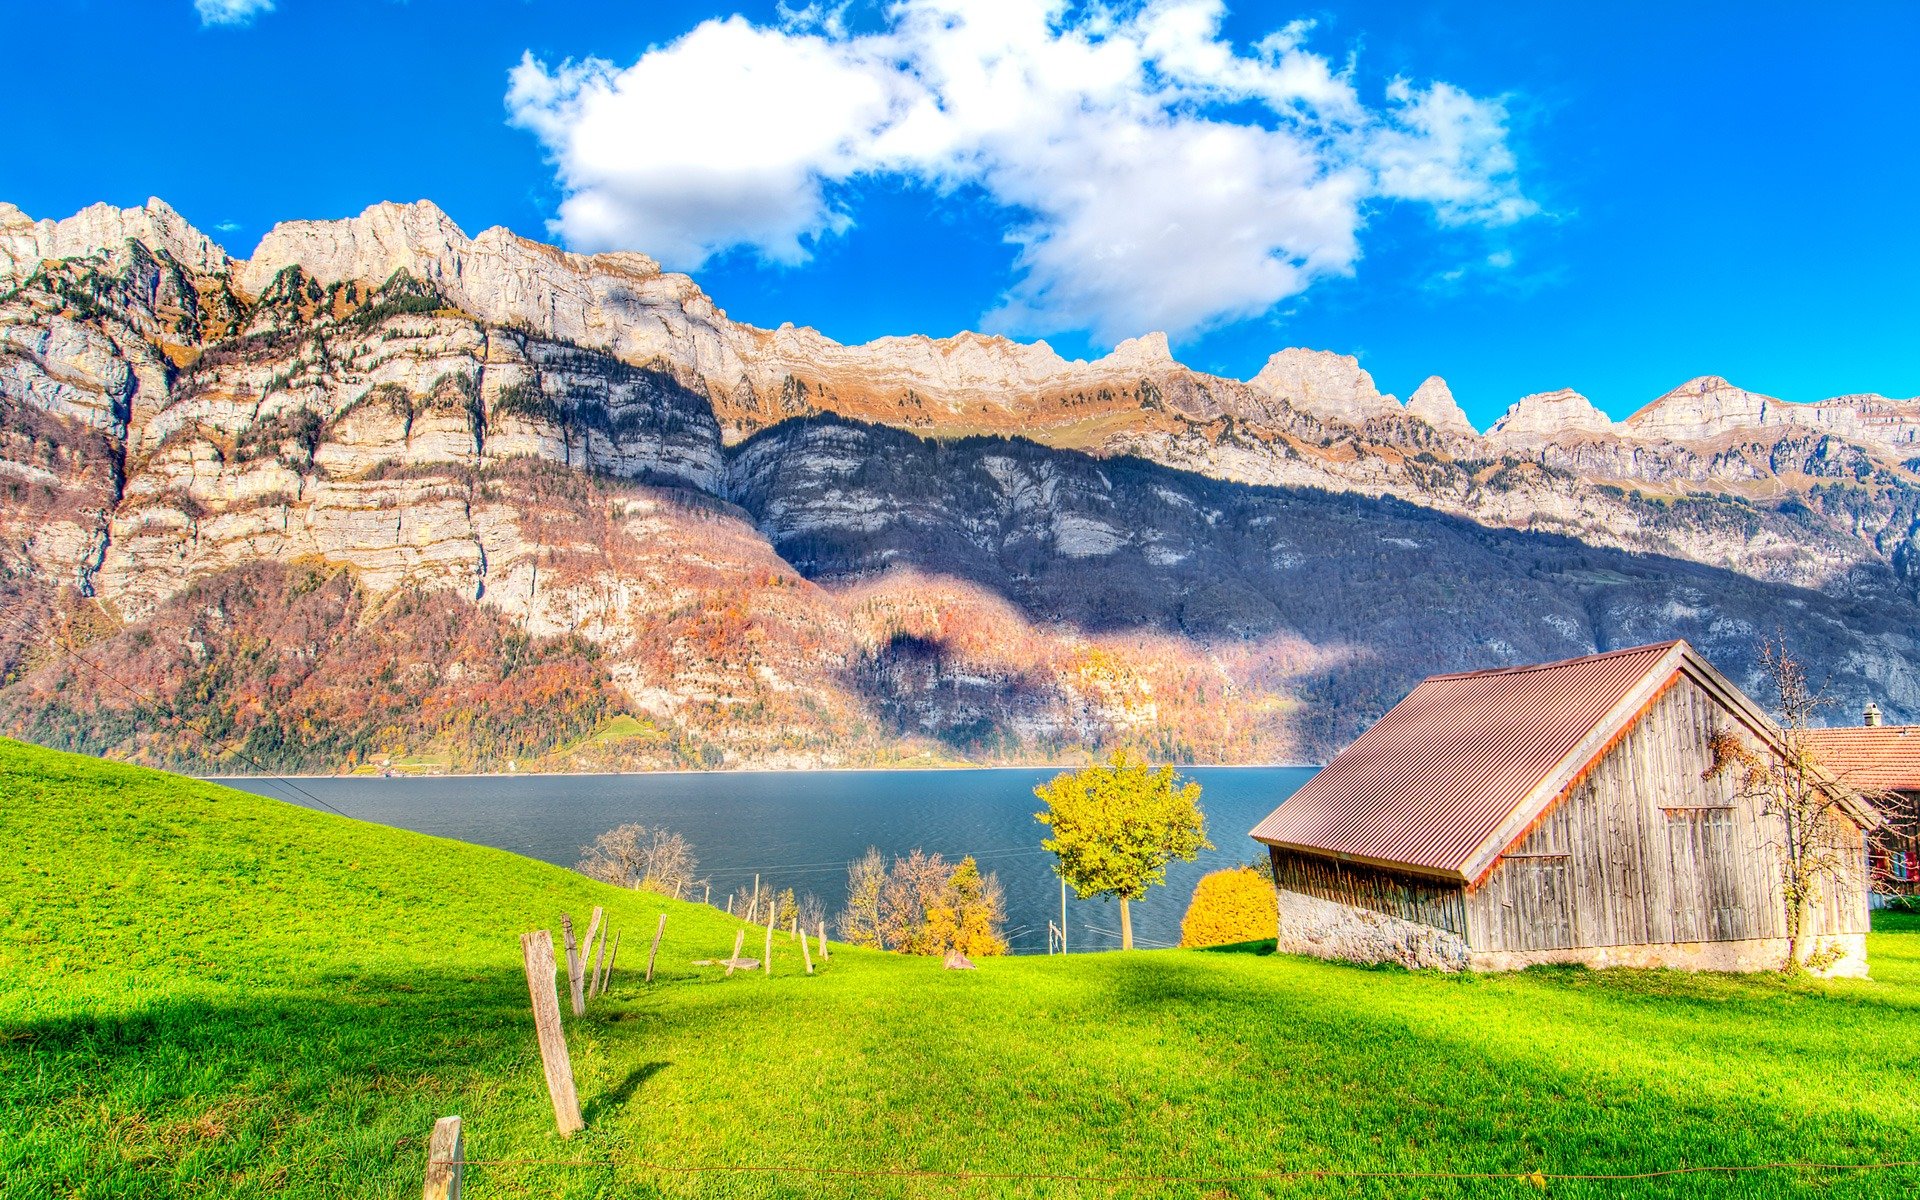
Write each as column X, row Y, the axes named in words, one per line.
column 385, row 493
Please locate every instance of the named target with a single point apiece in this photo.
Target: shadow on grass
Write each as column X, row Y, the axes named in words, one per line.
column 336, row 1084
column 1589, row 1074
column 1264, row 946
column 618, row 1095
column 331, row 1081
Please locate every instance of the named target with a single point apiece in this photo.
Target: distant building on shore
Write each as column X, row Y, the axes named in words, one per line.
column 1557, row 813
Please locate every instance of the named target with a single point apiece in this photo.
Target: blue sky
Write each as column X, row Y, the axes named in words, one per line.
column 1517, row 197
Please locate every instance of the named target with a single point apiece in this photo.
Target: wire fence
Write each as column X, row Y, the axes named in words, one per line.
column 1219, row 1179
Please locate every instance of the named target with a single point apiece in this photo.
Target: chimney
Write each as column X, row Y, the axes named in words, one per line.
column 1870, row 715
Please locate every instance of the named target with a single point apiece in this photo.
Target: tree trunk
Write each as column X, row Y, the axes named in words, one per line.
column 1126, row 925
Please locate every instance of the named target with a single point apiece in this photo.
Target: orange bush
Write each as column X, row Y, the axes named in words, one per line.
column 1234, row 905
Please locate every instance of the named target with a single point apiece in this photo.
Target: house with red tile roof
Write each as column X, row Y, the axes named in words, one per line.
column 1882, row 760
column 1565, row 812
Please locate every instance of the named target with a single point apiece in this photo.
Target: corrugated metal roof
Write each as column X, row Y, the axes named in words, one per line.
column 1873, row 757
column 1447, row 767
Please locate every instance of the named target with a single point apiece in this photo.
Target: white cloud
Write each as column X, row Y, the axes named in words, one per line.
column 231, row 12
column 1156, row 175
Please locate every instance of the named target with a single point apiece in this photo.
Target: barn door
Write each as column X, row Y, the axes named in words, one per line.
column 1537, row 913
column 1707, row 905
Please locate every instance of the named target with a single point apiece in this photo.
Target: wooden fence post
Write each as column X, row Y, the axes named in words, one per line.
column 773, row 911
column 536, row 949
column 595, row 927
column 753, row 911
column 708, row 897
column 600, row 984
column 806, row 954
column 824, row 956
column 607, row 979
column 444, row 1161
column 573, row 965
column 655, row 952
column 739, row 940
column 599, row 962
column 729, row 904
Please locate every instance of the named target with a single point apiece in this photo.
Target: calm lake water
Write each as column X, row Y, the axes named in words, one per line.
column 800, row 829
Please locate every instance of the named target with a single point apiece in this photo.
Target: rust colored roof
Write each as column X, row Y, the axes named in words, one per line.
column 1466, row 761
column 1874, row 757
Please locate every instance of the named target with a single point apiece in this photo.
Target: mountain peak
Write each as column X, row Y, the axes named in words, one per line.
column 1709, row 406
column 1148, row 351
column 1546, row 416
column 1701, row 408
column 1324, row 383
column 1433, row 403
column 386, row 237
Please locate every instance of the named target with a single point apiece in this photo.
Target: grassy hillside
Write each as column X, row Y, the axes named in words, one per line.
column 208, row 993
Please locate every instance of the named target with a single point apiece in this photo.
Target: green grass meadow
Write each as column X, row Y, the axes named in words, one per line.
column 208, row 993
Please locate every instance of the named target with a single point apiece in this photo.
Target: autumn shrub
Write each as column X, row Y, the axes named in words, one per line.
column 1235, row 905
column 924, row 904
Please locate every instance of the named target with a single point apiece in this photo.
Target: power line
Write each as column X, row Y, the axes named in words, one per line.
column 841, row 865
column 1143, row 941
column 182, row 721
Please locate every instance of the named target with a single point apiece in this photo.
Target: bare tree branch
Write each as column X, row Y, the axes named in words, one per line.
column 1803, row 800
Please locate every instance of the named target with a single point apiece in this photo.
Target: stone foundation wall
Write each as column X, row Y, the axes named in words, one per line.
column 1754, row 954
column 1325, row 929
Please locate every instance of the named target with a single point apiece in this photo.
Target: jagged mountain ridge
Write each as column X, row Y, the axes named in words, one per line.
column 624, row 303
column 710, row 524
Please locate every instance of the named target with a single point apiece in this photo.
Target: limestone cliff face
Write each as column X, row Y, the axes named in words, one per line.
column 764, row 547
column 26, row 243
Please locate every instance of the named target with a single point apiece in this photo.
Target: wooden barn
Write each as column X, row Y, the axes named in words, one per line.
column 1883, row 759
column 1553, row 813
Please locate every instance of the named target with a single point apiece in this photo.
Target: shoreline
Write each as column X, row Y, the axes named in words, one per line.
column 676, row 771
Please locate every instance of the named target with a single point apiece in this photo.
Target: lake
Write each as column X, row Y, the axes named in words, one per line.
column 799, row 829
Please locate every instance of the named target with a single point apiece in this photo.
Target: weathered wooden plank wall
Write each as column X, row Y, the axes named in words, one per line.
column 1647, row 850
column 1428, row 902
